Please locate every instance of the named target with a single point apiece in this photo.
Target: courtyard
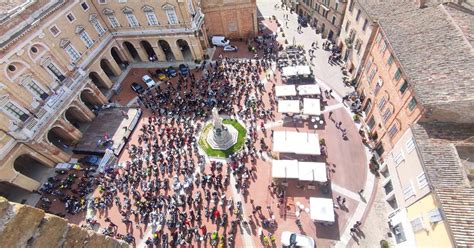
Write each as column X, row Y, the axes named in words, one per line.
column 238, row 198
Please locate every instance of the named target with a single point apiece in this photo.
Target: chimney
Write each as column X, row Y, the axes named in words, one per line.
column 421, row 3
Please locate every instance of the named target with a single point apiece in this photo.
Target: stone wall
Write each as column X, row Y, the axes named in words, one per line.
column 26, row 226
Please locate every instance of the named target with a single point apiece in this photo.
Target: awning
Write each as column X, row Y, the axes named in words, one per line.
column 296, row 70
column 309, row 89
column 285, row 169
column 303, row 70
column 288, row 106
column 295, row 142
column 312, row 171
column 289, row 71
column 285, row 90
column 311, row 106
column 322, row 209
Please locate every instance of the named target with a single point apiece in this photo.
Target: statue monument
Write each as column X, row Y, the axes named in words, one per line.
column 221, row 136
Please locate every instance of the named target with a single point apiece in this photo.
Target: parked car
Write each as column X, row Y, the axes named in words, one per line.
column 219, row 41
column 137, row 88
column 171, row 72
column 291, row 239
column 161, row 75
column 183, row 69
column 90, row 160
column 230, row 48
column 149, row 81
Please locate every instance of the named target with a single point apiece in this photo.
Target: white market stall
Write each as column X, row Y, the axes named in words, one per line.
column 288, row 106
column 295, row 142
column 309, row 89
column 289, row 71
column 312, row 171
column 300, row 70
column 285, row 169
column 303, row 70
column 322, row 210
column 311, row 106
column 285, row 90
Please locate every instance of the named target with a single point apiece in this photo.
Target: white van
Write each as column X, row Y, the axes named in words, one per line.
column 220, row 41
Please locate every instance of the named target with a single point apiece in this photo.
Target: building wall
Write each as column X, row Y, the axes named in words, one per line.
column 87, row 80
column 356, row 33
column 434, row 235
column 379, row 82
column 233, row 19
column 321, row 13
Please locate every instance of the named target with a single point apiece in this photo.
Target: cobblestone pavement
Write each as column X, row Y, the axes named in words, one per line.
column 375, row 227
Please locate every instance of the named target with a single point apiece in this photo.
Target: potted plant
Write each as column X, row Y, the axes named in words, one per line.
column 322, row 142
column 286, row 41
column 384, row 244
column 356, row 117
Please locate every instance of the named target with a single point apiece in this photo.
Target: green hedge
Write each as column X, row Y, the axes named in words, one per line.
column 242, row 132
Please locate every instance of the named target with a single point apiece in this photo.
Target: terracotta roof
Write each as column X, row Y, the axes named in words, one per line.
column 432, row 44
column 447, row 176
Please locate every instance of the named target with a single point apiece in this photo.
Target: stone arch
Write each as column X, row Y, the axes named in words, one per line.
column 36, row 50
column 118, row 57
column 75, row 116
column 59, row 137
column 98, row 81
column 185, row 49
column 151, row 55
column 107, row 68
column 165, row 47
column 31, row 167
column 132, row 51
column 13, row 192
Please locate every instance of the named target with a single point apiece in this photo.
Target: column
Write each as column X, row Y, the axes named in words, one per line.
column 84, row 109
column 50, row 151
column 159, row 53
column 142, row 54
column 115, row 68
column 25, row 182
column 178, row 55
column 71, row 131
column 105, row 79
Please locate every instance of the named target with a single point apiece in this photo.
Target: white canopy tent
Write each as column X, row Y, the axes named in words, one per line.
column 322, row 209
column 288, row 106
column 285, row 169
column 309, row 89
column 300, row 70
column 289, row 71
column 312, row 171
column 285, row 90
column 311, row 106
column 295, row 142
column 303, row 70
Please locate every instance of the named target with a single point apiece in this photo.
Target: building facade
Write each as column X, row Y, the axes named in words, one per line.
column 325, row 15
column 232, row 19
column 356, row 34
column 60, row 58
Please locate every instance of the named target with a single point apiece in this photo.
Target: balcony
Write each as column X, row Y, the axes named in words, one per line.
column 349, row 43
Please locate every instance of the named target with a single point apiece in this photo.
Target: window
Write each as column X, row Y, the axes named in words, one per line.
column 102, row 1
column 403, row 87
column 435, row 215
column 35, row 89
column 421, row 180
column 368, row 106
column 191, row 7
column 97, row 26
column 132, row 20
column 56, row 72
column 393, row 130
column 398, row 74
column 383, row 47
column 358, row 46
column 152, row 21
column 351, row 6
column 337, row 5
column 378, row 38
column 366, row 22
column 86, row 39
column 412, row 104
column 33, row 49
column 325, row 13
column 12, row 68
column 72, row 52
column 16, row 112
column 408, row 192
column 84, row 6
column 387, row 114
column 398, row 158
column 417, row 224
column 390, row 60
column 358, row 15
column 172, row 18
column 372, row 74
column 369, row 63
column 54, row 30
column 333, row 20
column 70, row 17
column 371, row 123
column 122, row 1
column 382, row 103
column 113, row 21
column 347, row 25
column 410, row 146
column 378, row 85
column 326, row 2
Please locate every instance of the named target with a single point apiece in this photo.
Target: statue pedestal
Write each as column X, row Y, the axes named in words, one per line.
column 223, row 141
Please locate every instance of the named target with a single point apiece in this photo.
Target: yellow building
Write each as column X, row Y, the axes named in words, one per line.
column 427, row 223
column 59, row 58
